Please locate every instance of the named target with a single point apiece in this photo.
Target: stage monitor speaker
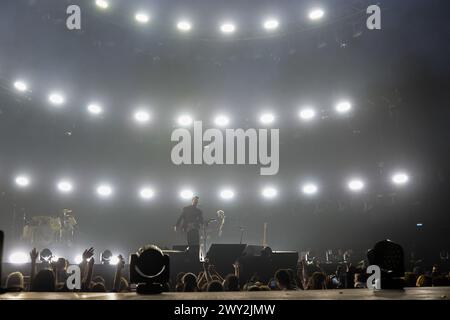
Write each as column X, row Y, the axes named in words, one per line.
column 182, row 261
column 222, row 256
column 285, row 259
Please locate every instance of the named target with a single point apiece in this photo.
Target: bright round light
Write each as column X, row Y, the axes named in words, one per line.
column 56, row 99
column 267, row 118
column 343, row 107
column 186, row 194
column 184, row 26
column 65, row 186
column 94, row 109
column 185, row 120
column 269, row 192
column 309, row 189
column 103, row 4
column 54, row 259
column 316, row 14
column 227, row 28
column 307, row 114
column 400, row 178
column 19, row 257
column 104, row 190
column 142, row 116
column 146, row 193
column 78, row 259
column 114, row 260
column 142, row 17
column 222, row 121
column 20, row 86
column 356, row 185
column 227, row 194
column 22, row 181
column 271, row 24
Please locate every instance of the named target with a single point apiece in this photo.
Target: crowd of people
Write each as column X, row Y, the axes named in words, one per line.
column 309, row 275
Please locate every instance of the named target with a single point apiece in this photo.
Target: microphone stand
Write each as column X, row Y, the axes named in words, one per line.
column 205, row 225
column 242, row 234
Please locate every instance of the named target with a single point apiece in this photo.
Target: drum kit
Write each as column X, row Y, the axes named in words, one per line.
column 48, row 230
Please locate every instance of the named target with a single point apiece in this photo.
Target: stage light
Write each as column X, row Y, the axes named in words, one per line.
column 186, row 194
column 105, row 257
column 269, row 192
column 54, row 259
column 343, row 107
column 316, row 14
column 56, row 99
column 142, row 116
column 149, row 268
column 19, row 257
column 142, row 17
column 221, row 121
column 267, row 118
column 114, row 260
column 94, row 109
column 146, row 193
column 22, row 181
column 227, row 194
column 419, row 225
column 400, row 178
column 65, row 186
column 307, row 114
column 185, row 120
column 271, row 24
column 20, row 86
column 228, row 28
column 104, row 190
column 184, row 26
column 78, row 259
column 103, row 4
column 356, row 185
column 45, row 255
column 309, row 189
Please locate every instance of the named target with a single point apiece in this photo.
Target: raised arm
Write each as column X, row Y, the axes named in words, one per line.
column 201, row 280
column 87, row 281
column 213, row 271
column 33, row 255
column 118, row 275
column 87, row 254
column 206, row 272
column 236, row 266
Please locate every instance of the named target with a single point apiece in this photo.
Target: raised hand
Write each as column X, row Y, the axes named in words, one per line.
column 34, row 254
column 88, row 253
column 121, row 263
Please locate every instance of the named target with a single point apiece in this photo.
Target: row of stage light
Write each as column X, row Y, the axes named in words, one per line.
column 226, row 27
column 143, row 115
column 308, row 188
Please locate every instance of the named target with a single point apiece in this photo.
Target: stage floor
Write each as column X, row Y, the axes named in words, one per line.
column 435, row 293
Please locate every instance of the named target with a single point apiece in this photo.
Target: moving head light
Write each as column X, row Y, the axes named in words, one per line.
column 149, row 269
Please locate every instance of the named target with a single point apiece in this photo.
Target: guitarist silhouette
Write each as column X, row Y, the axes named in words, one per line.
column 190, row 222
